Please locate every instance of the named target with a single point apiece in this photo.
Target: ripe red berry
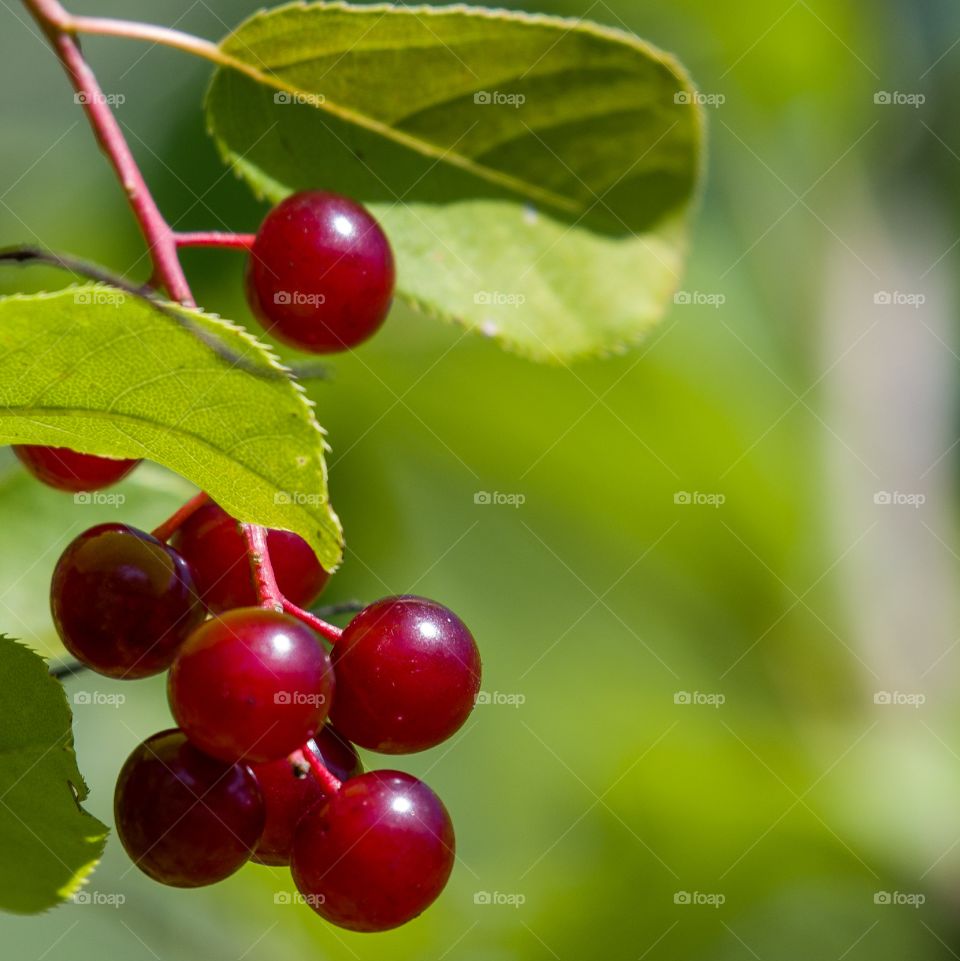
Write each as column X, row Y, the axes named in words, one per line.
column 290, row 790
column 122, row 601
column 408, row 673
column 252, row 684
column 68, row 470
column 185, row 818
column 321, row 273
column 377, row 854
column 211, row 542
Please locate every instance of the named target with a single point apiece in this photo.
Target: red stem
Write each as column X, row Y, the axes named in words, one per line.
column 329, row 632
column 56, row 24
column 264, row 580
column 327, row 780
column 214, row 238
column 176, row 520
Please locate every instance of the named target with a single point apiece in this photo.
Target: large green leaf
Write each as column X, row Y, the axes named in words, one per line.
column 534, row 174
column 49, row 843
column 100, row 371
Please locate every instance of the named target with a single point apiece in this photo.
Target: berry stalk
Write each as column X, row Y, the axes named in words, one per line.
column 324, row 776
column 57, row 25
column 215, row 238
column 176, row 520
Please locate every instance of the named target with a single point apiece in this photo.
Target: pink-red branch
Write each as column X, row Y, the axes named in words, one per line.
column 176, row 520
column 56, row 24
column 215, row 238
column 325, row 778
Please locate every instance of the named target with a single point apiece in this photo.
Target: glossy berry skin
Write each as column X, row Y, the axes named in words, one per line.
column 211, row 542
column 252, row 685
column 123, row 602
column 67, row 470
column 290, row 790
column 184, row 818
column 321, row 273
column 377, row 854
column 408, row 673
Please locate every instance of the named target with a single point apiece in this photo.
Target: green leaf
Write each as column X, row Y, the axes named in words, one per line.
column 49, row 843
column 534, row 174
column 104, row 372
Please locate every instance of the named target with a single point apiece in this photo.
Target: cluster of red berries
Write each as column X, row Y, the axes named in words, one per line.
column 262, row 765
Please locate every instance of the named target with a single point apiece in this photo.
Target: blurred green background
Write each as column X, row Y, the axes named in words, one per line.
column 687, row 752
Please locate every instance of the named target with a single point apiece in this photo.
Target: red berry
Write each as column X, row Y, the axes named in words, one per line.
column 321, row 273
column 185, row 818
column 66, row 470
column 213, row 546
column 290, row 790
column 252, row 685
column 377, row 854
column 122, row 601
column 408, row 673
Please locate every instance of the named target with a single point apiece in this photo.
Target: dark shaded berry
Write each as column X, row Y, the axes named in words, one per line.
column 122, row 601
column 184, row 818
